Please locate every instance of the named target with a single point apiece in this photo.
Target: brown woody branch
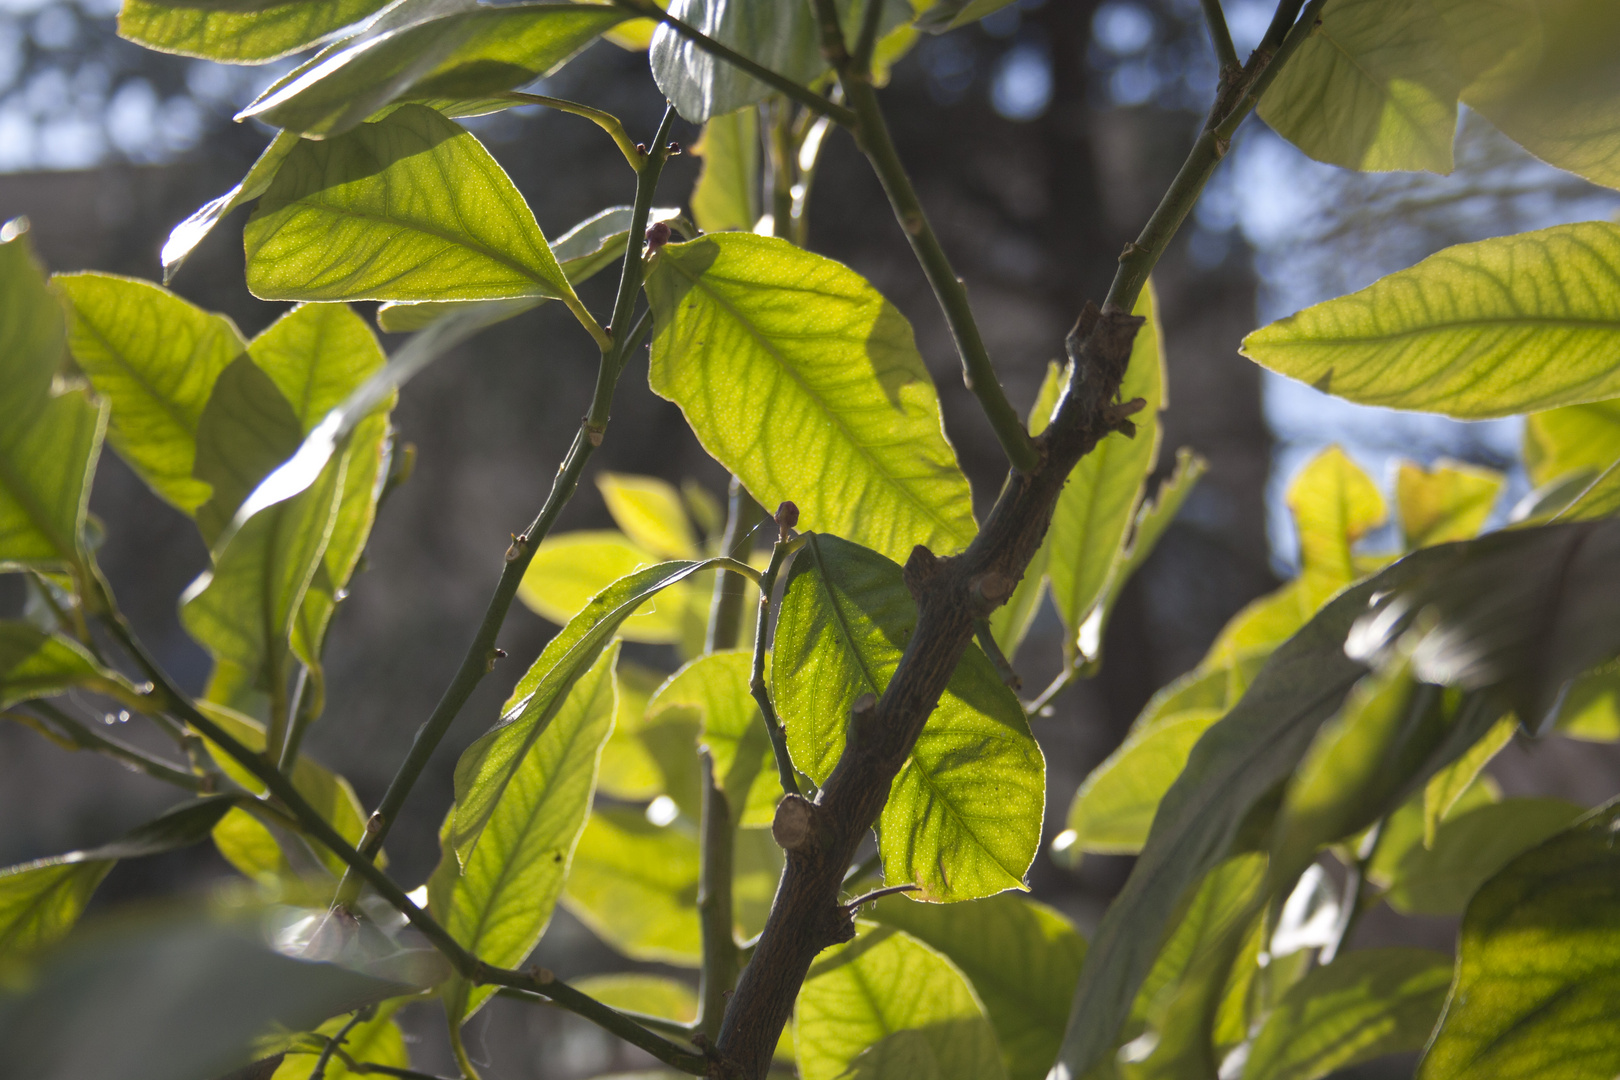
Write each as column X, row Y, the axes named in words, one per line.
column 821, row 837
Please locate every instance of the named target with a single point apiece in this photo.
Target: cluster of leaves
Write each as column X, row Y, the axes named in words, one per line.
column 1348, row 717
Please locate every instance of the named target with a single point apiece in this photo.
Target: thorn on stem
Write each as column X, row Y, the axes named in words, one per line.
column 520, row 541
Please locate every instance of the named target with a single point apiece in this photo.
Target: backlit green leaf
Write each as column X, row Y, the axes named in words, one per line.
column 1557, row 91
column 1502, row 326
column 488, row 765
column 155, row 358
column 650, row 512
column 499, row 902
column 1469, row 848
column 1449, row 502
column 1238, row 762
column 628, row 770
column 635, row 884
column 40, row 901
column 1571, row 439
column 1372, row 87
column 425, row 52
column 35, row 664
column 1096, row 507
column 411, row 207
column 963, row 817
column 727, row 192
column 237, row 33
column 654, row 995
column 1591, row 707
column 1114, row 807
column 886, row 1007
column 1448, row 785
column 716, row 686
column 1022, row 958
column 377, row 1041
column 801, row 379
column 1538, row 967
column 571, row 568
column 49, row 441
column 1363, row 1005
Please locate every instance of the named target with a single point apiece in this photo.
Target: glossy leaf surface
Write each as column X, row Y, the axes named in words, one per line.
column 499, row 902
column 1363, row 1005
column 1502, row 326
column 800, row 378
column 1538, row 967
column 781, row 37
column 184, row 237
column 236, row 33
column 886, row 1006
column 427, row 52
column 411, row 207
column 963, row 817
column 1021, row 957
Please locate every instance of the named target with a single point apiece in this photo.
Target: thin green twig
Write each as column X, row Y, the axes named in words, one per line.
column 717, row 974
column 762, row 631
column 75, row 735
column 1220, row 36
column 335, row 1042
column 609, row 123
column 482, row 653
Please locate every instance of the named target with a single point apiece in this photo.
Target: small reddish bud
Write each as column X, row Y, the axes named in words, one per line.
column 657, row 235
column 787, row 516
column 674, row 149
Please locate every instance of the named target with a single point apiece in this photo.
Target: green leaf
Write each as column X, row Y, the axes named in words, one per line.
column 427, row 52
column 247, row 843
column 194, row 993
column 781, row 37
column 1153, row 518
column 411, row 207
column 1448, row 785
column 37, row 664
column 635, row 885
column 40, row 901
column 650, row 512
column 246, row 430
column 1372, row 87
column 653, row 995
column 1237, row 763
column 727, row 191
column 571, row 568
column 1362, row 1006
column 498, row 904
column 885, row 1007
column 1449, row 502
column 1023, row 959
column 1503, row 326
column 1114, row 808
column 377, row 1041
column 184, row 237
column 49, row 441
column 488, row 765
column 963, row 816
column 628, row 769
column 1404, row 828
column 1556, row 92
column 1572, row 439
column 1537, row 966
column 1099, row 502
column 236, row 33
column 1518, row 613
column 1471, row 847
column 716, row 686
column 243, row 611
column 1599, row 499
column 851, row 429
column 155, row 358
column 1591, row 708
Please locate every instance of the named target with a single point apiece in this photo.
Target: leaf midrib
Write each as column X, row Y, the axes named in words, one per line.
column 1302, row 341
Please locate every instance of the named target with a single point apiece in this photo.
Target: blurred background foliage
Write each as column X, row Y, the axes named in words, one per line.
column 1039, row 138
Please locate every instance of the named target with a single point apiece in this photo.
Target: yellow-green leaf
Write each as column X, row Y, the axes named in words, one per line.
column 1449, row 502
column 37, row 664
column 727, row 191
column 716, row 687
column 1372, row 87
column 650, row 512
column 571, row 568
column 1502, row 326
column 1572, row 439
column 801, row 379
column 251, row 33
column 498, row 904
column 886, row 1007
column 1471, row 847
